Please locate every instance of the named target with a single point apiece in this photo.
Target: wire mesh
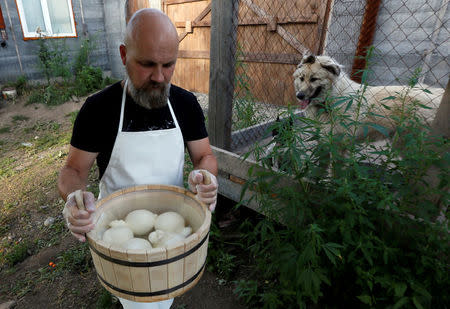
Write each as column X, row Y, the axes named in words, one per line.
column 272, row 36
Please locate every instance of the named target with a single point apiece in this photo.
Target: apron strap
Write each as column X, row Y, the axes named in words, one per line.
column 122, row 108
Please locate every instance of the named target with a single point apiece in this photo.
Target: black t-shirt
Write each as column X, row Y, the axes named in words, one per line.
column 95, row 128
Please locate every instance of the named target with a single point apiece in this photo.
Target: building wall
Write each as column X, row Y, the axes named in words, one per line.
column 406, row 32
column 89, row 11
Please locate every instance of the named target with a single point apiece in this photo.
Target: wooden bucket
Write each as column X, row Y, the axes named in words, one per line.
column 159, row 273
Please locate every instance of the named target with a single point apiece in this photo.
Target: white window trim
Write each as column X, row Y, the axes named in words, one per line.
column 31, row 33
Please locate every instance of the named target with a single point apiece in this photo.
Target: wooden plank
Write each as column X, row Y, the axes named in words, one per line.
column 221, row 87
column 286, row 35
column 171, row 2
column 246, row 57
column 256, row 21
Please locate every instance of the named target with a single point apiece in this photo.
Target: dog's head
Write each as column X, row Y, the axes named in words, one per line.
column 313, row 79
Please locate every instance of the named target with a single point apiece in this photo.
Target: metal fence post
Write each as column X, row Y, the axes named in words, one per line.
column 224, row 14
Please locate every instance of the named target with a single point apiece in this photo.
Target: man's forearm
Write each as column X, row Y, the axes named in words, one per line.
column 208, row 163
column 70, row 180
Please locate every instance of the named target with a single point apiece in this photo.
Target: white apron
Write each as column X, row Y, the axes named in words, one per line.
column 146, row 157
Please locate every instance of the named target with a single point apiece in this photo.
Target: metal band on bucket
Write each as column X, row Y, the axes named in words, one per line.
column 150, row 264
column 157, row 293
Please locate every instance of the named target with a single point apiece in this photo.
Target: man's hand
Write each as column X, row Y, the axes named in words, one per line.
column 207, row 193
column 78, row 221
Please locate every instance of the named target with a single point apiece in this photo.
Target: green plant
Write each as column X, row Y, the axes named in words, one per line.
column 72, row 116
column 17, row 118
column 5, row 130
column 87, row 80
column 345, row 230
column 17, row 253
column 53, row 59
column 105, row 300
column 75, row 260
column 244, row 103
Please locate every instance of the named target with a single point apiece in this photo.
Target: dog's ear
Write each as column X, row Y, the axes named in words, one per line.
column 307, row 59
column 310, row 59
column 332, row 68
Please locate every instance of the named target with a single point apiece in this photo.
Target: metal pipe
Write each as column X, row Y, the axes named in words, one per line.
column 366, row 35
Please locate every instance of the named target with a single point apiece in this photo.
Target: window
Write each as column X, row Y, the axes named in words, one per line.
column 51, row 18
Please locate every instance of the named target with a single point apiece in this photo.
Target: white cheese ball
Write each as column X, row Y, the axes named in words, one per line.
column 170, row 222
column 141, row 221
column 116, row 223
column 117, row 235
column 137, row 244
column 161, row 239
column 186, row 231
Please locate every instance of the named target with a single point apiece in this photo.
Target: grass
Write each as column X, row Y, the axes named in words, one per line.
column 5, row 130
column 19, row 118
column 16, row 254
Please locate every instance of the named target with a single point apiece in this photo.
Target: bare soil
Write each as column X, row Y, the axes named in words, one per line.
column 33, row 147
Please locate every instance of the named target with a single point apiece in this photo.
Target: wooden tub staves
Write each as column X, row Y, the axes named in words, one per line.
column 159, row 273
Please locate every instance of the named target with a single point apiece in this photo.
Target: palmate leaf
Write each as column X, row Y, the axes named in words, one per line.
column 400, row 289
column 331, row 250
column 366, row 299
column 379, row 128
column 389, row 98
column 401, row 302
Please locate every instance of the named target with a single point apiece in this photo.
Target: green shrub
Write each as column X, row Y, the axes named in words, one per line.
column 88, row 80
column 75, row 260
column 353, row 233
column 17, row 253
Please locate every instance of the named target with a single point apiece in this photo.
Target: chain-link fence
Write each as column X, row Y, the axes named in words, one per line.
column 408, row 37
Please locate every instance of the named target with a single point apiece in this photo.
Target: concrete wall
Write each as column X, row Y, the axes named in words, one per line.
column 25, row 52
column 407, row 31
column 114, row 32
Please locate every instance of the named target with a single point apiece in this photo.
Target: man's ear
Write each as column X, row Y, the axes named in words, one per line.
column 123, row 53
column 334, row 69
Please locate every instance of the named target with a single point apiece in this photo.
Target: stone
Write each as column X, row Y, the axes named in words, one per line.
column 49, row 221
column 8, row 305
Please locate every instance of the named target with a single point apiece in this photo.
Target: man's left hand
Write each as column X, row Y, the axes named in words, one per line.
column 205, row 193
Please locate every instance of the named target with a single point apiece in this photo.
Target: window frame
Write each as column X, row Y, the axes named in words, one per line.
column 33, row 35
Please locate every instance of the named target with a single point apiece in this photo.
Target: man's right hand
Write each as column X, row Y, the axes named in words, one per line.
column 78, row 221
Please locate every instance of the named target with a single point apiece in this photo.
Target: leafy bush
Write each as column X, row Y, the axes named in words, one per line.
column 76, row 260
column 87, row 80
column 16, row 254
column 355, row 232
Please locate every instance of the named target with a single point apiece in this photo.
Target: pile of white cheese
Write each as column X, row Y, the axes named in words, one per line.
column 139, row 225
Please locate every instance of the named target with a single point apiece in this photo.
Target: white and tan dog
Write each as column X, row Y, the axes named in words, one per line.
column 319, row 77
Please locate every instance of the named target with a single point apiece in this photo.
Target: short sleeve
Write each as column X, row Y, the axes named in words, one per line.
column 86, row 129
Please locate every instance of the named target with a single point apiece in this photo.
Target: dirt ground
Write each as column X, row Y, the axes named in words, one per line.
column 33, row 147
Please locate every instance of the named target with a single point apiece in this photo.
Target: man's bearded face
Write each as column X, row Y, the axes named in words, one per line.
column 150, row 95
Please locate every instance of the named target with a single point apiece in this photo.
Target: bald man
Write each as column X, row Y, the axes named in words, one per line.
column 137, row 129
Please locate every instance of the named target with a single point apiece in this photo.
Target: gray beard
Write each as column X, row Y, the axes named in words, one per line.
column 149, row 98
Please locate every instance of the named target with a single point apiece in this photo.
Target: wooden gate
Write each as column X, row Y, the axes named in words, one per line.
column 272, row 37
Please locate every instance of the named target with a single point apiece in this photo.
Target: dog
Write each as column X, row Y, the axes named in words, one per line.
column 319, row 78
column 320, row 83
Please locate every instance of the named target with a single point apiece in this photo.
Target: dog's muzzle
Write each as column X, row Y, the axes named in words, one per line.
column 301, row 98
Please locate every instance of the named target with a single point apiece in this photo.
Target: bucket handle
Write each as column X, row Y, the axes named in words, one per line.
column 79, row 199
column 206, row 177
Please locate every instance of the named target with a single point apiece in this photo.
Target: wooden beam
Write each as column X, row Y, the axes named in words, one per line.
column 247, row 57
column 224, row 14
column 257, row 21
column 286, row 35
column 170, row 2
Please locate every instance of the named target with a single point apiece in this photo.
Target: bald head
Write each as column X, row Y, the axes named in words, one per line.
column 150, row 24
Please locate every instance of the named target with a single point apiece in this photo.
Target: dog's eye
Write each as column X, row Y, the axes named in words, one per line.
column 313, row 79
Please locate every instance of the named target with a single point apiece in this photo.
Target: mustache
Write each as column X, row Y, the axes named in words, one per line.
column 151, row 85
